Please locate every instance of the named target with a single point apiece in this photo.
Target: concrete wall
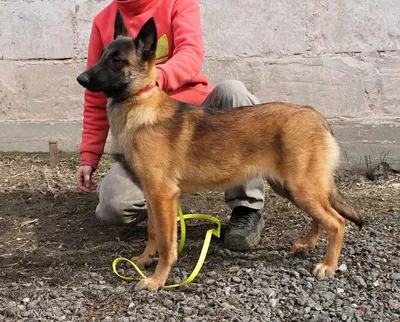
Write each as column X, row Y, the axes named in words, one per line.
column 340, row 56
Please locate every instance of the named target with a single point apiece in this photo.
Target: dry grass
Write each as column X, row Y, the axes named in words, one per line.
column 31, row 172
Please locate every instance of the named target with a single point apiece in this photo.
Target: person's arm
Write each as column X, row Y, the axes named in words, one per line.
column 188, row 55
column 95, row 124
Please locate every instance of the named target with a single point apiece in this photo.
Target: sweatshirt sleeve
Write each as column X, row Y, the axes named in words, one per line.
column 95, row 124
column 187, row 57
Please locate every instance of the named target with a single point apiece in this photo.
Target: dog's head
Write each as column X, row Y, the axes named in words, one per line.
column 126, row 65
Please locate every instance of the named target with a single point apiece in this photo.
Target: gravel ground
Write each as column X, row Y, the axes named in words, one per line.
column 56, row 260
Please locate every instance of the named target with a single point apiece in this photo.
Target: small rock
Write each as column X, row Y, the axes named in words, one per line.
column 342, row 268
column 273, row 302
column 270, row 292
column 326, row 305
column 302, row 300
column 11, row 312
column 311, row 303
column 236, row 279
column 131, row 305
column 395, row 185
column 107, row 319
column 318, row 307
column 242, row 288
column 187, row 310
column 201, row 308
column 303, row 271
column 394, row 304
column 12, row 304
column 307, row 310
column 360, row 281
column 395, row 276
column 315, row 297
column 26, row 300
column 330, row 296
column 344, row 317
column 168, row 303
column 339, row 290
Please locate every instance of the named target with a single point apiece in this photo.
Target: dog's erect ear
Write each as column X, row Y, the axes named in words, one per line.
column 119, row 26
column 146, row 41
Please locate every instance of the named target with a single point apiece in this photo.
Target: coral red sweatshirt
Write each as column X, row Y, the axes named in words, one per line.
column 179, row 59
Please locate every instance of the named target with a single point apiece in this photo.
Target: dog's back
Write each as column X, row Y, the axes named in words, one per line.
column 215, row 149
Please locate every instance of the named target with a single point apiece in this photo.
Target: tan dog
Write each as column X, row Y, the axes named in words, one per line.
column 173, row 148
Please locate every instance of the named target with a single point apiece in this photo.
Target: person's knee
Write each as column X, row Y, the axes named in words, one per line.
column 110, row 214
column 121, row 199
column 233, row 93
column 118, row 212
column 230, row 88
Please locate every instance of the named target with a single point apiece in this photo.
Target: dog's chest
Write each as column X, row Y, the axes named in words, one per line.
column 117, row 121
column 126, row 121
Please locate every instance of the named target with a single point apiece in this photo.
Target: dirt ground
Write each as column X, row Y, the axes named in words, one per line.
column 48, row 231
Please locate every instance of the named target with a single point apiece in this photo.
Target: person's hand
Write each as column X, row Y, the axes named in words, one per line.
column 83, row 178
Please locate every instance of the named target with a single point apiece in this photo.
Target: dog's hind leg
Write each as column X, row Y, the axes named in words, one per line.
column 146, row 258
column 310, row 240
column 316, row 203
column 164, row 203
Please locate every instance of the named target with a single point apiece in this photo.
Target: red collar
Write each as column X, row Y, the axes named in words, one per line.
column 146, row 89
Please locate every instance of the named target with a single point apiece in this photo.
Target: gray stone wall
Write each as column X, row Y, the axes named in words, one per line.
column 340, row 56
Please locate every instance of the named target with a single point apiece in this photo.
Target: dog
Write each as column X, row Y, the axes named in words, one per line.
column 174, row 147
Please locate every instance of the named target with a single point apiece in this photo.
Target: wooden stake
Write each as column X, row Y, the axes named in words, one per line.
column 53, row 153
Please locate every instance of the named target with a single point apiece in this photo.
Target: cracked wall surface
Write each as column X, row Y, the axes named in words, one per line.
column 340, row 56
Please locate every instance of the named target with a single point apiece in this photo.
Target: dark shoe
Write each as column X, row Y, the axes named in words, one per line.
column 244, row 228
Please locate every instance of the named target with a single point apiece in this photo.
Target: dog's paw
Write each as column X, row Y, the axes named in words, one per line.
column 142, row 261
column 150, row 283
column 301, row 246
column 322, row 270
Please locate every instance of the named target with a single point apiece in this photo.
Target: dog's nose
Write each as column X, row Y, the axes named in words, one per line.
column 83, row 79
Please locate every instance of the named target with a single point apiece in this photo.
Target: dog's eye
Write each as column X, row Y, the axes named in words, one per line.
column 116, row 59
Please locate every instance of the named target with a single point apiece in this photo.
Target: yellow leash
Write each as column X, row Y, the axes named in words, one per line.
column 216, row 232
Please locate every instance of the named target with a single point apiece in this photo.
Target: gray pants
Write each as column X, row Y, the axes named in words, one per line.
column 121, row 199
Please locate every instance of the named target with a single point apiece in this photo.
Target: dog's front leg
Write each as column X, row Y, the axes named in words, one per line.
column 164, row 209
column 146, row 258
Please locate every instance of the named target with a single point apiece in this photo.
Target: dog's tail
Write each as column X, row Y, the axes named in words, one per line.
column 343, row 208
